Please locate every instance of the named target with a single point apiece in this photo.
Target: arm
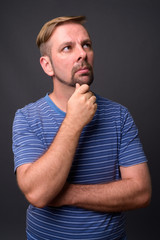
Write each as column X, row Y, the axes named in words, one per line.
column 42, row 180
column 131, row 192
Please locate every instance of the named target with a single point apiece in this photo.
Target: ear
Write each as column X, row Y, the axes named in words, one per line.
column 46, row 65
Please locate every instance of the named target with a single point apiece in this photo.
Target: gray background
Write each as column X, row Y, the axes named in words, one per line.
column 126, row 36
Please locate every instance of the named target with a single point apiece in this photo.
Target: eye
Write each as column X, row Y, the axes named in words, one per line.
column 66, row 48
column 87, row 45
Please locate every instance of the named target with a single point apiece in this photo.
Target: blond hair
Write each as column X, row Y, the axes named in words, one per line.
column 48, row 28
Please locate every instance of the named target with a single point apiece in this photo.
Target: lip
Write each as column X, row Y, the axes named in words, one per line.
column 82, row 70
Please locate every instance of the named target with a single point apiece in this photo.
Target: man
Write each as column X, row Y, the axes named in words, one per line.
column 78, row 158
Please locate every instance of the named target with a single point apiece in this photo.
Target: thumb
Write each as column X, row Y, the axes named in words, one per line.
column 77, row 86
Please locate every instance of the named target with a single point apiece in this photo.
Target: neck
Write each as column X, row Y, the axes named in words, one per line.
column 61, row 94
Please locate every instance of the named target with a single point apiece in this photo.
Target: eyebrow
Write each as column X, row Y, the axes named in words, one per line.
column 62, row 45
column 87, row 41
column 65, row 44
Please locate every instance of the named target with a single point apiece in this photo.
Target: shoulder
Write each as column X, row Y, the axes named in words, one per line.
column 107, row 103
column 114, row 112
column 112, row 107
column 31, row 113
column 33, row 108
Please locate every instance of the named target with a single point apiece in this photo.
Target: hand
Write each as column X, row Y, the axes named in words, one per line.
column 81, row 106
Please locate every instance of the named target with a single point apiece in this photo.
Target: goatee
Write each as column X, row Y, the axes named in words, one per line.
column 79, row 79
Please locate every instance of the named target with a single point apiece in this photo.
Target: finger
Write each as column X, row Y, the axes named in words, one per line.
column 93, row 99
column 88, row 95
column 95, row 107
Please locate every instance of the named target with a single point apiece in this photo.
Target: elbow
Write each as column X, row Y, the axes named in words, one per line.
column 36, row 200
column 145, row 198
column 38, row 197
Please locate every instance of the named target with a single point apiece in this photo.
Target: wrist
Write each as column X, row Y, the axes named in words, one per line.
column 73, row 125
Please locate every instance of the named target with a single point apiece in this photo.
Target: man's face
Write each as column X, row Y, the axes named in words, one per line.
column 71, row 54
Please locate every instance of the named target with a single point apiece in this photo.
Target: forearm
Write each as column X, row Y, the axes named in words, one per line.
column 112, row 197
column 131, row 192
column 45, row 178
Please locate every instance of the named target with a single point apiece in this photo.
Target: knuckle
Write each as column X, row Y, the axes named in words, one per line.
column 83, row 98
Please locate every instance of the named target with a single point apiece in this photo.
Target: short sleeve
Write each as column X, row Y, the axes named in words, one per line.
column 131, row 150
column 27, row 147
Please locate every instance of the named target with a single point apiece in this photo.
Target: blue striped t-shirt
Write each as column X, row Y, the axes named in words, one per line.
column 109, row 141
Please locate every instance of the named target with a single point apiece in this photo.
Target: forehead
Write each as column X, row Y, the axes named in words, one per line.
column 69, row 32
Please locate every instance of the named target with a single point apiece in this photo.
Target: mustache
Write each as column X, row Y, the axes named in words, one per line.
column 81, row 65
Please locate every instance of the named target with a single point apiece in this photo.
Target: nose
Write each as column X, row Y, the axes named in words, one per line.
column 81, row 55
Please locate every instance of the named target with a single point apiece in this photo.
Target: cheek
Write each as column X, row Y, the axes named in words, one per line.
column 91, row 58
column 59, row 65
column 64, row 63
column 63, row 68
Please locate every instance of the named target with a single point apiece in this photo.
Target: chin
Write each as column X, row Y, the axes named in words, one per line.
column 85, row 80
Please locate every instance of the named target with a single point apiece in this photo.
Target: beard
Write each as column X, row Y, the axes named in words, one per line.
column 78, row 79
